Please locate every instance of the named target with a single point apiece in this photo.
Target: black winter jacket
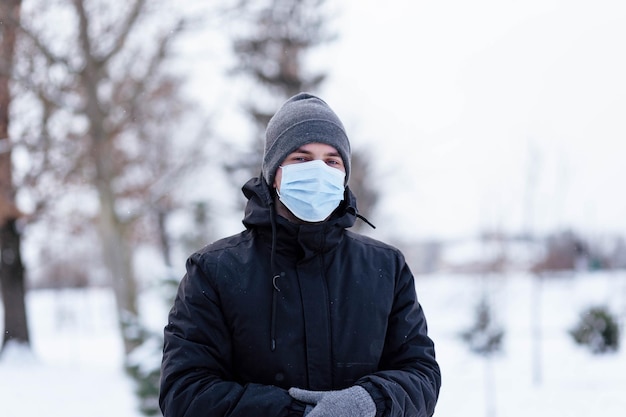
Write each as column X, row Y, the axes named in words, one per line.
column 282, row 305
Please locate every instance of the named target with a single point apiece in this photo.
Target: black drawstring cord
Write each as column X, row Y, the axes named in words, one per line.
column 275, row 289
column 365, row 220
column 274, row 302
column 353, row 211
column 276, row 274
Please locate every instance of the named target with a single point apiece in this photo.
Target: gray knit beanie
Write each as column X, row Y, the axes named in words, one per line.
column 302, row 119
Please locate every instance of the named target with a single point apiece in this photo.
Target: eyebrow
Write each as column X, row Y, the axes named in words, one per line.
column 304, row 151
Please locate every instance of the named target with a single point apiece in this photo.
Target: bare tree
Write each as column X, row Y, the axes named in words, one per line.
column 118, row 107
column 11, row 266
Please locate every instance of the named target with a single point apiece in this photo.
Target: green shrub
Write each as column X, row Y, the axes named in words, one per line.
column 484, row 337
column 597, row 330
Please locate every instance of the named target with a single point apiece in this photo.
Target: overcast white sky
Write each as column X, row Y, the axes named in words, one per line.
column 473, row 109
column 455, row 96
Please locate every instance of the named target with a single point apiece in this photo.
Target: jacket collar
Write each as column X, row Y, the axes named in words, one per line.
column 301, row 241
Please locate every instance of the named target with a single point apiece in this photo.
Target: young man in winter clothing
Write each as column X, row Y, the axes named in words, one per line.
column 296, row 315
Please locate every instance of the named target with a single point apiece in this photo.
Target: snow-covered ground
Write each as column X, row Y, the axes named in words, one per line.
column 76, row 371
column 552, row 377
column 76, row 367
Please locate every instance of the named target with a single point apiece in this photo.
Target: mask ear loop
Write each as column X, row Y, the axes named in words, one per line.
column 276, row 187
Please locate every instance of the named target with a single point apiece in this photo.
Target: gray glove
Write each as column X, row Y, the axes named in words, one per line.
column 350, row 402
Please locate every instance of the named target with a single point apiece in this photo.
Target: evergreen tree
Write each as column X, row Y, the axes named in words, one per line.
column 272, row 52
column 484, row 337
column 597, row 329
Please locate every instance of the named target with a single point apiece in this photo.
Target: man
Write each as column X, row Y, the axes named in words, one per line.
column 297, row 316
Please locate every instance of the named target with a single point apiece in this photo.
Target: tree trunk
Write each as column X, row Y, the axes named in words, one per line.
column 116, row 250
column 118, row 259
column 113, row 234
column 11, row 267
column 13, row 287
column 166, row 247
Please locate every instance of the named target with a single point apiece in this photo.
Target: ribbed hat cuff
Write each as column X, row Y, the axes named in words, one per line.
column 302, row 133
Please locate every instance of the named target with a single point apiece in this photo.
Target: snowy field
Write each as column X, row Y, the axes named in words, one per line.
column 76, row 371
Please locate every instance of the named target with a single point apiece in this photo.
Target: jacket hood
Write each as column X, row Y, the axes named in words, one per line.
column 259, row 208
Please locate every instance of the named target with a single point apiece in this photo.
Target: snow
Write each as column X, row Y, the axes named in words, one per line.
column 75, row 367
column 570, row 381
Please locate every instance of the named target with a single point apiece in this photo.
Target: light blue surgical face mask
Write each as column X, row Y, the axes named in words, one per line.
column 311, row 190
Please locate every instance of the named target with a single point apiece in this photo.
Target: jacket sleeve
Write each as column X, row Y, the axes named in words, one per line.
column 409, row 378
column 196, row 372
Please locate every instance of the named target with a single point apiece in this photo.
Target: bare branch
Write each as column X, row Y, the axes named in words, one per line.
column 125, row 30
column 43, row 48
column 150, row 71
column 83, row 29
column 168, row 181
